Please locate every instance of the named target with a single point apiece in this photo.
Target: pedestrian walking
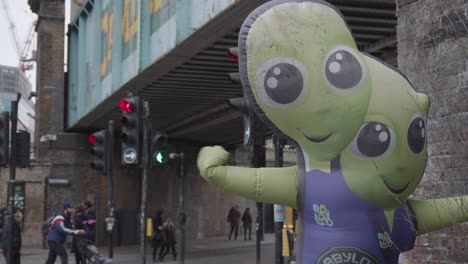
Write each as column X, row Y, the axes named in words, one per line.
column 16, row 239
column 78, row 223
column 3, row 213
column 59, row 229
column 234, row 219
column 247, row 223
column 158, row 234
column 90, row 222
column 169, row 239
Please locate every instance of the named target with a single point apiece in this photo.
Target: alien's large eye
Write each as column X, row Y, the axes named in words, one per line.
column 373, row 140
column 281, row 81
column 417, row 133
column 343, row 69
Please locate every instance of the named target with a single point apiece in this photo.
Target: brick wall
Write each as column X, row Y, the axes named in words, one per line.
column 433, row 53
column 50, row 73
column 41, row 199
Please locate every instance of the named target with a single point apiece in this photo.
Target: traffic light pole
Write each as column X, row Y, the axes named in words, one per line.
column 144, row 179
column 181, row 219
column 278, row 225
column 110, row 194
column 258, row 162
column 11, row 185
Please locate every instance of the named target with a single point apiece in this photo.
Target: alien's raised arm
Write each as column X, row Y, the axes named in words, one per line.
column 435, row 214
column 269, row 185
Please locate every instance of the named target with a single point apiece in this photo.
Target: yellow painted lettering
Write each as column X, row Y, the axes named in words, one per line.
column 107, row 25
column 157, row 6
column 129, row 24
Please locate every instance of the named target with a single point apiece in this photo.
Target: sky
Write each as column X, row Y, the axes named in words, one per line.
column 23, row 18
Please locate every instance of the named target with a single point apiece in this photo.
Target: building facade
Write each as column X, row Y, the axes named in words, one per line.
column 13, row 81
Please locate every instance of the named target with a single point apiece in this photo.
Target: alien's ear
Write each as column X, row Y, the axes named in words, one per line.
column 423, row 101
column 235, row 76
column 241, row 104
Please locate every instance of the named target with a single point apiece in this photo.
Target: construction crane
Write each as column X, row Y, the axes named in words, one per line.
column 25, row 63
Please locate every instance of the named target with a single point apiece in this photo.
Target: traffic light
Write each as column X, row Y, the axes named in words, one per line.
column 98, row 141
column 23, row 147
column 158, row 148
column 4, row 137
column 241, row 105
column 131, row 129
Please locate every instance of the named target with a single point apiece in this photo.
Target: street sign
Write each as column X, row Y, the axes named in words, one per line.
column 129, row 156
column 58, row 181
column 280, row 215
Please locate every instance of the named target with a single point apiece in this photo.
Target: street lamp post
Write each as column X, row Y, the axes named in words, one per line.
column 181, row 218
column 11, row 185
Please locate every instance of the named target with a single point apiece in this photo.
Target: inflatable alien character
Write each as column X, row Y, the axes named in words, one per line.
column 360, row 133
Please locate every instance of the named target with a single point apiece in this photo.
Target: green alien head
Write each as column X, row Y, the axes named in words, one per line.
column 303, row 74
column 386, row 160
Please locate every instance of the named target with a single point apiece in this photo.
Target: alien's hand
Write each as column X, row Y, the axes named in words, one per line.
column 210, row 158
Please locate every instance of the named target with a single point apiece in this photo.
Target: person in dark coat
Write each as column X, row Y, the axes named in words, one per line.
column 90, row 221
column 16, row 241
column 169, row 239
column 234, row 219
column 158, row 234
column 3, row 213
column 247, row 223
column 78, row 223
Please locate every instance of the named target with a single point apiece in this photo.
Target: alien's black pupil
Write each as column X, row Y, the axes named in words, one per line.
column 417, row 135
column 283, row 83
column 343, row 70
column 373, row 139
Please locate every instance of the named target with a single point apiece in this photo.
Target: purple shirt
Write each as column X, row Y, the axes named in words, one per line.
column 339, row 227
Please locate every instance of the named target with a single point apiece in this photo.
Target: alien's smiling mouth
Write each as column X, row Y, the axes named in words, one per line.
column 394, row 189
column 315, row 139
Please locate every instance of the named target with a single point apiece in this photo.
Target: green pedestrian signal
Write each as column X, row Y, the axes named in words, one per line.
column 159, row 157
column 158, row 148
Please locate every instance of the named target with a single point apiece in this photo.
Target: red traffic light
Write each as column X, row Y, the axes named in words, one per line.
column 92, row 139
column 126, row 106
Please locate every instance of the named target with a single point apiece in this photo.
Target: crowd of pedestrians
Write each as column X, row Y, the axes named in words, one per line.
column 78, row 221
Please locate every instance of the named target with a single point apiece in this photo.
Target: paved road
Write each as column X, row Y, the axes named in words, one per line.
column 245, row 255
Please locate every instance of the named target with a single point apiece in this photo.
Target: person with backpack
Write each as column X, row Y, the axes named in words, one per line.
column 45, row 229
column 59, row 229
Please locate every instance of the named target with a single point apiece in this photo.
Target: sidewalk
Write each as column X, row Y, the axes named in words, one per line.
column 208, row 247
